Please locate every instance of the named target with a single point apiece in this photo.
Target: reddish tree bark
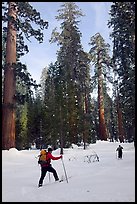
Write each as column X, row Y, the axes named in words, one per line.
column 103, row 134
column 8, row 109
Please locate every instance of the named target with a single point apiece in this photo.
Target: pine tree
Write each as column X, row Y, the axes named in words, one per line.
column 51, row 109
column 73, row 76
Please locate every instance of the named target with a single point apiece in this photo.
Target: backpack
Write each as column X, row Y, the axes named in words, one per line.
column 42, row 157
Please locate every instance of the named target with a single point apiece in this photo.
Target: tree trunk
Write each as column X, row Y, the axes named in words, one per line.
column 85, row 133
column 102, row 125
column 61, row 136
column 120, row 124
column 8, row 114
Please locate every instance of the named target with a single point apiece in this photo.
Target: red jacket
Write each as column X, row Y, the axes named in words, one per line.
column 49, row 156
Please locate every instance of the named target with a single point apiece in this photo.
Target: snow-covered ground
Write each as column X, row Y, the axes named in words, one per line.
column 109, row 180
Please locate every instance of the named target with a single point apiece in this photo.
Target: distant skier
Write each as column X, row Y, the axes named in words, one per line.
column 120, row 152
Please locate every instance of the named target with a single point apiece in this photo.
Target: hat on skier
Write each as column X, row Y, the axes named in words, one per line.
column 50, row 149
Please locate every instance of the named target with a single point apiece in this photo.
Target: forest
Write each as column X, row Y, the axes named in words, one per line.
column 62, row 109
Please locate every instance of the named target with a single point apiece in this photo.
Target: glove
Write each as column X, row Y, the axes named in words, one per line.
column 61, row 156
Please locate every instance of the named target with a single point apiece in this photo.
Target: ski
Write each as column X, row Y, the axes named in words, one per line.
column 59, row 181
column 55, row 182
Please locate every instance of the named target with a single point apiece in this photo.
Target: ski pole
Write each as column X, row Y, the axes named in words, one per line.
column 64, row 170
column 49, row 177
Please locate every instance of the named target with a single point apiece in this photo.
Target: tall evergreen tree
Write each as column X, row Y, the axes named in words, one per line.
column 74, row 79
column 19, row 16
column 99, row 54
column 122, row 21
column 51, row 108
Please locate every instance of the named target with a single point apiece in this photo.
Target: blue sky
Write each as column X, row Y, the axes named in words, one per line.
column 95, row 20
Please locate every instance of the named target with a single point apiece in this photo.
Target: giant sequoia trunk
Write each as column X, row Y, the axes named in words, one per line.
column 103, row 134
column 8, row 114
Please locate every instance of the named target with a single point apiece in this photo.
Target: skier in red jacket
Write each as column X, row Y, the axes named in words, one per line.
column 48, row 167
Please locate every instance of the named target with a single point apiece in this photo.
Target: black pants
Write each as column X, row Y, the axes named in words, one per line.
column 120, row 154
column 44, row 171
